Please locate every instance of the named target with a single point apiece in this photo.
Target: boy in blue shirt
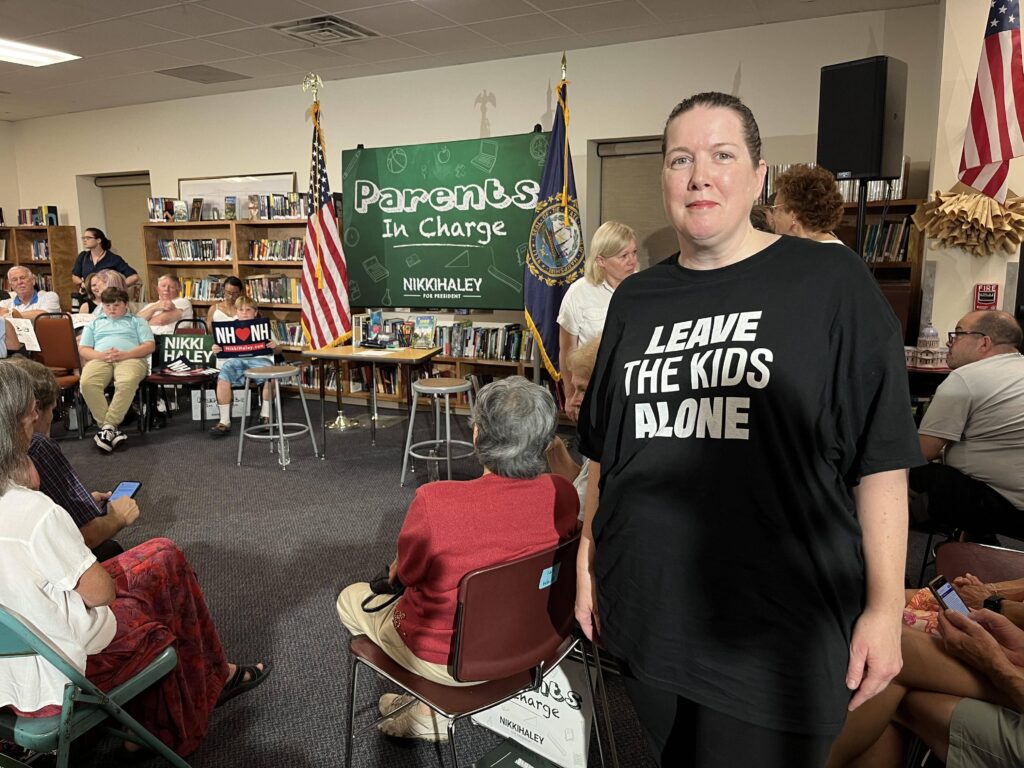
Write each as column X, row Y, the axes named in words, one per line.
column 116, row 345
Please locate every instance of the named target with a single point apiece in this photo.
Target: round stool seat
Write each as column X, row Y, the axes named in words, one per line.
column 431, row 386
column 272, row 372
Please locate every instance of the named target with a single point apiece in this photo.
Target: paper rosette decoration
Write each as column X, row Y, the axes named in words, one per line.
column 963, row 218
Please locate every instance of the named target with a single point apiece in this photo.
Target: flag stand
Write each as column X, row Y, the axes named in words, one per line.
column 341, row 422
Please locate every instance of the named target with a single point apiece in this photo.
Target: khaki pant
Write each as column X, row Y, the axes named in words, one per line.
column 97, row 374
column 380, row 629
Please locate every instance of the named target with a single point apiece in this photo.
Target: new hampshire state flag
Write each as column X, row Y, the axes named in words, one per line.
column 555, row 256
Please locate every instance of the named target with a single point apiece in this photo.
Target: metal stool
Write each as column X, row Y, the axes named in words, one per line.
column 437, row 388
column 275, row 430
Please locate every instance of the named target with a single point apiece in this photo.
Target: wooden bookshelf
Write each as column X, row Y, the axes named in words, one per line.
column 22, row 242
column 900, row 281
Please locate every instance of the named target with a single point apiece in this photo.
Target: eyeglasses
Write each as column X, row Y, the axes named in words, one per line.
column 953, row 334
column 89, row 237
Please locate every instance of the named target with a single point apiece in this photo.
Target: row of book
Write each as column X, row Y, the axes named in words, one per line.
column 194, row 249
column 43, row 216
column 266, row 249
column 40, row 250
column 877, row 189
column 210, row 288
column 293, row 205
column 456, row 339
column 274, row 289
column 388, row 381
column 887, row 241
column 287, row 333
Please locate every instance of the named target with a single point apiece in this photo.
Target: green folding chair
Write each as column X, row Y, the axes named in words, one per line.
column 85, row 706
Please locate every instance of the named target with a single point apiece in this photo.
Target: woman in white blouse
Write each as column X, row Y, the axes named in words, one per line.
column 610, row 260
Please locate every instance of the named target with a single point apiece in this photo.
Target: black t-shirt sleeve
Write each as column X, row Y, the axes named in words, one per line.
column 874, row 418
column 79, row 265
column 124, row 267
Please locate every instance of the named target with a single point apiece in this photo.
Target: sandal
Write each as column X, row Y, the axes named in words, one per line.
column 245, row 679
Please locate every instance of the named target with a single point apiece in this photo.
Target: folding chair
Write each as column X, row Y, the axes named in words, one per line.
column 58, row 351
column 513, row 625
column 85, row 706
column 193, row 380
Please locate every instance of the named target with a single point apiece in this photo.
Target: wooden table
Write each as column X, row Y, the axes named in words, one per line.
column 404, row 356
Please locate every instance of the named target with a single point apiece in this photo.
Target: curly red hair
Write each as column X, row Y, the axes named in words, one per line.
column 810, row 192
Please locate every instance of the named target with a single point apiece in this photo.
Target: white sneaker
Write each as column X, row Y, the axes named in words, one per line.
column 409, row 723
column 117, row 438
column 104, row 440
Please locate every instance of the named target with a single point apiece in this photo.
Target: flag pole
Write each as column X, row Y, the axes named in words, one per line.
column 312, row 82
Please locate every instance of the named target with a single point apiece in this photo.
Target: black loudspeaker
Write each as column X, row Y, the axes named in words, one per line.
column 861, row 106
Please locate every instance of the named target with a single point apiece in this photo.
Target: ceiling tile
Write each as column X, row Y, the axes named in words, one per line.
column 377, row 49
column 122, row 63
column 552, row 5
column 521, row 29
column 397, row 19
column 469, row 11
column 257, row 66
column 105, row 37
column 313, row 60
column 258, row 41
column 688, row 10
column 191, row 20
column 447, row 40
column 22, row 19
column 646, row 32
column 196, row 50
column 621, row 14
column 569, row 42
column 343, row 6
column 262, row 11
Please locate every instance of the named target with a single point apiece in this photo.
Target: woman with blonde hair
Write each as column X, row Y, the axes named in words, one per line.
column 610, row 260
column 97, row 283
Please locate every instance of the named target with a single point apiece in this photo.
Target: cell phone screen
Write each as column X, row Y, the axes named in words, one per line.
column 125, row 488
column 949, row 598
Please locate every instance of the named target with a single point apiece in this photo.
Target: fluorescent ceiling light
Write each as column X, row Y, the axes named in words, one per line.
column 31, row 55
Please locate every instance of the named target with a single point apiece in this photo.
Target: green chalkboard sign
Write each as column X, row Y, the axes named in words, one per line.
column 441, row 225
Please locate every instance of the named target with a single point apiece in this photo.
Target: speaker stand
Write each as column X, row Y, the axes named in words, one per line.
column 862, row 212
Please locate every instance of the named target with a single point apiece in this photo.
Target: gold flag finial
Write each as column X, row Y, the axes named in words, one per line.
column 563, row 65
column 312, row 82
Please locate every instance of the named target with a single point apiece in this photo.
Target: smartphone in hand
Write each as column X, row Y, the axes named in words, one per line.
column 947, row 596
column 125, row 488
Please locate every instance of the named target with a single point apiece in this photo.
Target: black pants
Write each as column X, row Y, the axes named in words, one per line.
column 106, row 550
column 958, row 501
column 683, row 733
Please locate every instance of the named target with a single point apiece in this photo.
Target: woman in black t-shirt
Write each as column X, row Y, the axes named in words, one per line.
column 749, row 428
column 96, row 257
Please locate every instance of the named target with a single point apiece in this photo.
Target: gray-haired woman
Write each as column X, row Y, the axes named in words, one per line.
column 453, row 527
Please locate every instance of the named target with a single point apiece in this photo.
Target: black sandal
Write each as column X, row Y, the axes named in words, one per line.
column 238, row 683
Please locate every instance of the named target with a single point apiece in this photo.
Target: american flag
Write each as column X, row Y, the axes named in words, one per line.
column 326, row 316
column 997, row 108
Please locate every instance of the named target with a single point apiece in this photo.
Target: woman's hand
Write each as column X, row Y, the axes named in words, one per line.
column 215, row 349
column 973, row 590
column 393, row 570
column 875, row 654
column 586, row 592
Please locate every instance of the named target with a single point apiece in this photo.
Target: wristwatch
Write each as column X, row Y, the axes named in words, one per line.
column 994, row 603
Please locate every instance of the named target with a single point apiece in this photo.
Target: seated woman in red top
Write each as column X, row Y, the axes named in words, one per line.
column 513, row 510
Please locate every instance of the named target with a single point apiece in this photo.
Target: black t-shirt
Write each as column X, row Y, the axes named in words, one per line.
column 84, row 266
column 731, row 411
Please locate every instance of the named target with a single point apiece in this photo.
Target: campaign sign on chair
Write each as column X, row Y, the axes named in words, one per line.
column 196, row 348
column 554, row 721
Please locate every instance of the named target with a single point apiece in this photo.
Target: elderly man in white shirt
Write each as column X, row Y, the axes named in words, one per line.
column 168, row 309
column 27, row 303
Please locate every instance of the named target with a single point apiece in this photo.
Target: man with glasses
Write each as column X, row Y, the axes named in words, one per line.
column 975, row 423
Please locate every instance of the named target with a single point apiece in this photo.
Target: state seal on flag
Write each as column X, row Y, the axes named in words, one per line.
column 555, row 256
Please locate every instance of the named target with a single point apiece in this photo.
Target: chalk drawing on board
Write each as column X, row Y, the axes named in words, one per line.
column 412, row 260
column 521, row 250
column 487, row 156
column 539, row 148
column 460, row 261
column 444, row 155
column 354, row 291
column 397, row 160
column 508, row 280
column 386, row 301
column 375, row 269
column 351, row 237
column 352, row 164
column 460, row 171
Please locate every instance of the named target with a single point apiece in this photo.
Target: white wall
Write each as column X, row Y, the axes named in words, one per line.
column 615, row 92
column 8, row 174
column 956, row 270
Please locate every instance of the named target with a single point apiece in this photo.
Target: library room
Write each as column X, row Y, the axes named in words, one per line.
column 361, row 360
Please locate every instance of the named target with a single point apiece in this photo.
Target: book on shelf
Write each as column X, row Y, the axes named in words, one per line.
column 877, row 189
column 289, row 206
column 3, row 249
column 40, row 250
column 50, row 215
column 209, row 288
column 194, row 249
column 180, row 210
column 288, row 332
column 887, row 241
column 230, row 207
column 268, row 249
column 423, row 333
column 274, row 289
column 197, row 209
